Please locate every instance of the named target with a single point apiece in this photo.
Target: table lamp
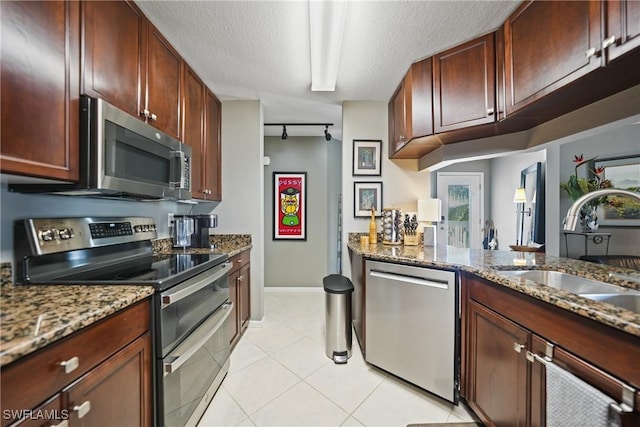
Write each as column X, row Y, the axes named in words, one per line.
column 429, row 210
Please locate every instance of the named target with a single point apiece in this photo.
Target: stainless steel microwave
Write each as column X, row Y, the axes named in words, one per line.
column 123, row 157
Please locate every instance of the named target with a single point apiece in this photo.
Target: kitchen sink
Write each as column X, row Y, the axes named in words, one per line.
column 629, row 301
column 567, row 282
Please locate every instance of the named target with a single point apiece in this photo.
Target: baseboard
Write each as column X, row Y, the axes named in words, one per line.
column 294, row 289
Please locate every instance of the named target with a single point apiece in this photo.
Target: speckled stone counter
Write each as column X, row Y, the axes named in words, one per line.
column 34, row 316
column 487, row 264
column 230, row 244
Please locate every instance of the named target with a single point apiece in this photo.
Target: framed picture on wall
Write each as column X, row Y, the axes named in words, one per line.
column 290, row 206
column 367, row 157
column 367, row 195
column 624, row 173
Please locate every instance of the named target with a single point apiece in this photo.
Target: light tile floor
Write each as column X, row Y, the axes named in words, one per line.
column 280, row 376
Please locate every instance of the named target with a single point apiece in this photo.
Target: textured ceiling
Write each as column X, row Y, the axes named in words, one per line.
column 260, row 49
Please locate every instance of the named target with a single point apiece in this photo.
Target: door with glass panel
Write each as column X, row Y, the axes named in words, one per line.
column 461, row 195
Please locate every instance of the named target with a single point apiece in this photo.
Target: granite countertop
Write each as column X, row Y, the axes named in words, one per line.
column 34, row 316
column 487, row 264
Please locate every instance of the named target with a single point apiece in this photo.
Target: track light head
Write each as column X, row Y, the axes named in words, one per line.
column 284, row 132
column 327, row 135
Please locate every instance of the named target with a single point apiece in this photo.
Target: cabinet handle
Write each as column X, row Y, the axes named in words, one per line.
column 591, row 52
column 63, row 423
column 83, row 409
column 518, row 347
column 490, row 112
column 70, row 365
column 608, row 42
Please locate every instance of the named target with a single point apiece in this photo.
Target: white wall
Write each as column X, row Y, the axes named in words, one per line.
column 402, row 185
column 242, row 186
column 505, row 178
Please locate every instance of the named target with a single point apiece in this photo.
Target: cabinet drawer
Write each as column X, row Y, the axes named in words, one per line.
column 31, row 380
column 240, row 260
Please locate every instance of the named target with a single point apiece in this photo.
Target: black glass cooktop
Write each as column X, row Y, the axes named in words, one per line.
column 160, row 271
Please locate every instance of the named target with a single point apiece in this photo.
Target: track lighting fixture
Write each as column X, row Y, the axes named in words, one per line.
column 285, row 135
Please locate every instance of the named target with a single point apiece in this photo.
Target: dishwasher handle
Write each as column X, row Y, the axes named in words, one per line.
column 410, row 279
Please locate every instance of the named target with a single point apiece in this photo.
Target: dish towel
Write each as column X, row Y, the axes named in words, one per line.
column 573, row 403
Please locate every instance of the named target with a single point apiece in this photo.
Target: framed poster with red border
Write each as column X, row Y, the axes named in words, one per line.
column 289, row 206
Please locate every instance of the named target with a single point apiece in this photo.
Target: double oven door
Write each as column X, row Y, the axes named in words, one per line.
column 192, row 345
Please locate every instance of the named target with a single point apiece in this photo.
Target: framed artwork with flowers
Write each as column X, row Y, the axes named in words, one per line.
column 618, row 172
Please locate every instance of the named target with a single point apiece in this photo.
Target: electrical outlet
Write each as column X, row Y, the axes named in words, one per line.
column 170, row 220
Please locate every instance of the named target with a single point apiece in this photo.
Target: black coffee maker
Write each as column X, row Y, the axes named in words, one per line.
column 201, row 226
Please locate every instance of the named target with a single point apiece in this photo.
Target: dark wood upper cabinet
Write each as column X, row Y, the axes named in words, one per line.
column 622, row 32
column 549, row 44
column 411, row 107
column 164, row 74
column 114, row 53
column 464, row 85
column 193, row 128
column 40, row 88
column 131, row 65
column 212, row 158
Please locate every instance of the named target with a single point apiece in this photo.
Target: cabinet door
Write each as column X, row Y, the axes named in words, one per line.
column 164, row 69
column 114, row 53
column 498, row 367
column 397, row 120
column 212, row 161
column 623, row 27
column 234, row 298
column 117, row 392
column 549, row 44
column 192, row 133
column 51, row 409
column 464, row 85
column 244, row 296
column 40, row 106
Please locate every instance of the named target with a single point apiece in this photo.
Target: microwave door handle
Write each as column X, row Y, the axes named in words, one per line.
column 173, row 297
column 179, row 167
column 172, row 363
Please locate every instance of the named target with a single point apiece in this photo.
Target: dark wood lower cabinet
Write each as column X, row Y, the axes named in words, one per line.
column 507, row 335
column 98, row 376
column 498, row 369
column 240, row 294
column 116, row 393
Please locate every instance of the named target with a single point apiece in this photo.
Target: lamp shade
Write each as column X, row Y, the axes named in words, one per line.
column 519, row 196
column 429, row 210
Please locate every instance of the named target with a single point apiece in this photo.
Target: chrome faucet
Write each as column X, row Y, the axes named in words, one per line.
column 571, row 220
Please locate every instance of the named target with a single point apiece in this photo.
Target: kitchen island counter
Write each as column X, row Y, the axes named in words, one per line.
column 34, row 316
column 487, row 264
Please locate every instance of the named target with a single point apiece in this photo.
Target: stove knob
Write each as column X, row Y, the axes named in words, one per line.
column 145, row 227
column 66, row 233
column 48, row 235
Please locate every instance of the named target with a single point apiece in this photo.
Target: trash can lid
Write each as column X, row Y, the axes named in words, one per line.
column 337, row 284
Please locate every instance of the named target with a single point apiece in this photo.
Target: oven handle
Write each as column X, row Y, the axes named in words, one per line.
column 173, row 297
column 173, row 363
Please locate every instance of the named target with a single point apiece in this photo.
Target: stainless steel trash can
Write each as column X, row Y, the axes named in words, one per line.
column 338, row 290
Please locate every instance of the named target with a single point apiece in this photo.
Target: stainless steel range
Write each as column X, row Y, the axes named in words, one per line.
column 191, row 329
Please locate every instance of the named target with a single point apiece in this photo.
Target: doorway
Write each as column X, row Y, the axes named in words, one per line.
column 462, row 197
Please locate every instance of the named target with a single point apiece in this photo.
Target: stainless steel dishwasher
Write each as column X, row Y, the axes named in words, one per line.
column 412, row 327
